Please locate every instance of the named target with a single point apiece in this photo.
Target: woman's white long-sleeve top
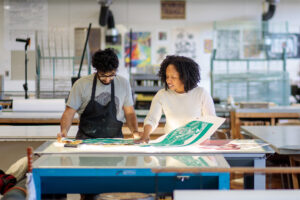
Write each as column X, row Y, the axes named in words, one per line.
column 179, row 108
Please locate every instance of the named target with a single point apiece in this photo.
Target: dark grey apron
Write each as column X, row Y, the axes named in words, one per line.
column 98, row 121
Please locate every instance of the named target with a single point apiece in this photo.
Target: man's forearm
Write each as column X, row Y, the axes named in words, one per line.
column 66, row 122
column 132, row 123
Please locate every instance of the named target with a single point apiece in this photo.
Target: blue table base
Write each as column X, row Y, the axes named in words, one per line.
column 95, row 181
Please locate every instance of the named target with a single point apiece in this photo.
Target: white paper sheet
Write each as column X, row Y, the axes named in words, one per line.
column 38, row 105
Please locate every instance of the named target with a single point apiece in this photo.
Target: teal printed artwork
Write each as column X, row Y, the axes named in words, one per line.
column 181, row 136
column 192, row 161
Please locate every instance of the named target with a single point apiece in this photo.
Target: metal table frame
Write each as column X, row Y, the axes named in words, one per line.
column 257, row 160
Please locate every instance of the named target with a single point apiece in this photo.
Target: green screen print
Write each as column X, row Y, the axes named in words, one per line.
column 178, row 137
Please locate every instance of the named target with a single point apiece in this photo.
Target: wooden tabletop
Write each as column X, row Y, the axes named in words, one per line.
column 9, row 133
column 33, row 118
column 45, row 118
column 271, row 114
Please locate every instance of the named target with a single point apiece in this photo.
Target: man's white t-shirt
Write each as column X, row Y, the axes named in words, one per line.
column 81, row 93
column 178, row 108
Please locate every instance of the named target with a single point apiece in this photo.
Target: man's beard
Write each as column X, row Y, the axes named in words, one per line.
column 104, row 83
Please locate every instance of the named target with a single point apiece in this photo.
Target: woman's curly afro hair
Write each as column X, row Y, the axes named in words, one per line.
column 188, row 70
column 105, row 60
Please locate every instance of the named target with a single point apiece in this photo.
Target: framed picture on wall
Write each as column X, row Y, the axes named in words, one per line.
column 171, row 9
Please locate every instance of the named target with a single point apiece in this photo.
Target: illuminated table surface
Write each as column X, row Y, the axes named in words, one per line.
column 86, row 173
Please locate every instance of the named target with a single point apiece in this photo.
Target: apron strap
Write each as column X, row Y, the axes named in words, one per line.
column 112, row 98
column 94, row 87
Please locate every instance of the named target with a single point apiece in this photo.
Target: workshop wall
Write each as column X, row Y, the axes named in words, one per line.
column 144, row 15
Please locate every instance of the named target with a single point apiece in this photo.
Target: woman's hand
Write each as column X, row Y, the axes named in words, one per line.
column 145, row 136
column 143, row 139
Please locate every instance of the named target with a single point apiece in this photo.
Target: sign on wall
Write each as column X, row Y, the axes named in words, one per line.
column 173, row 9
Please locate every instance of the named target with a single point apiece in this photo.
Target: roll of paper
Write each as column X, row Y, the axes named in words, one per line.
column 39, row 105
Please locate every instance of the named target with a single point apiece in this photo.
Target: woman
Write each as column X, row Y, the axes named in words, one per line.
column 182, row 100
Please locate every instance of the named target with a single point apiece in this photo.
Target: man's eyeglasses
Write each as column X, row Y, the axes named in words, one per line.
column 103, row 76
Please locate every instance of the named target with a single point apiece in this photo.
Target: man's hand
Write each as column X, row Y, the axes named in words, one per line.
column 137, row 135
column 66, row 122
column 61, row 135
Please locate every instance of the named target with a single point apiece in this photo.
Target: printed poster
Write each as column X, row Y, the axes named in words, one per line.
column 161, row 46
column 141, row 49
column 194, row 132
column 185, row 43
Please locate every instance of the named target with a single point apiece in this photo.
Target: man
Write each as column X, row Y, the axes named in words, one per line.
column 102, row 100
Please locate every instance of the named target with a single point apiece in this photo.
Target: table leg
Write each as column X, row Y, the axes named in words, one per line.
column 224, row 181
column 260, row 179
column 294, row 176
column 238, row 129
column 233, row 124
column 38, row 187
column 273, row 122
column 251, row 181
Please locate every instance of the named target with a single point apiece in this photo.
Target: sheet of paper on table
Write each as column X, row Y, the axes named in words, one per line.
column 185, row 139
column 234, row 146
column 194, row 132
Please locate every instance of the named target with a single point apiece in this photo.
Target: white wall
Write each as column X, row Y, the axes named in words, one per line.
column 145, row 15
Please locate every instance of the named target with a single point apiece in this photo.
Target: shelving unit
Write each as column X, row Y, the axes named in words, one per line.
column 145, row 83
column 249, row 80
column 57, row 62
column 144, row 87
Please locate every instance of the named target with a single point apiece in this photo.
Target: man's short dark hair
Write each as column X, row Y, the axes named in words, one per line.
column 105, row 60
column 188, row 71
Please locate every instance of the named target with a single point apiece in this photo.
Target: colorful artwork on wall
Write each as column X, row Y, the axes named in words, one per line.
column 118, row 49
column 162, row 36
column 141, row 49
column 161, row 46
column 161, row 53
column 208, row 46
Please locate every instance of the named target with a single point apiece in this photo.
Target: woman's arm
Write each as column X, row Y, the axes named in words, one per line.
column 152, row 119
column 146, row 134
column 208, row 107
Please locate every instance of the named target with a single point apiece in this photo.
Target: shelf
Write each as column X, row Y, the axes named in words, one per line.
column 146, row 89
column 144, row 77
